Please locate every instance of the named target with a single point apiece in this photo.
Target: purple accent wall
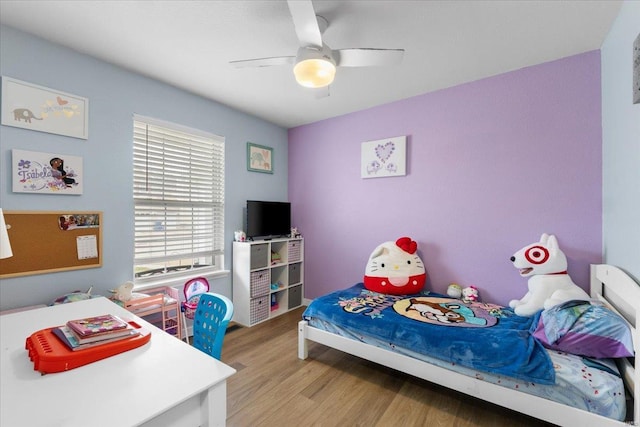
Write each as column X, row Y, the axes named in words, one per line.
column 491, row 165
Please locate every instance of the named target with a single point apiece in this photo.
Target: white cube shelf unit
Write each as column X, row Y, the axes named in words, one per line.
column 268, row 278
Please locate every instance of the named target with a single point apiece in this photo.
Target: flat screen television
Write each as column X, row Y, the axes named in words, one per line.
column 268, row 219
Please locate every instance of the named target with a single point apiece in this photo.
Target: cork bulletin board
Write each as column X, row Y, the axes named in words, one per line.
column 50, row 241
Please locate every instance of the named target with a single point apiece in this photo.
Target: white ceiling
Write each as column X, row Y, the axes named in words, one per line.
column 189, row 44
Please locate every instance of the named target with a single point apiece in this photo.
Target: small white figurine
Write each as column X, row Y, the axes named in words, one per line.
column 123, row 292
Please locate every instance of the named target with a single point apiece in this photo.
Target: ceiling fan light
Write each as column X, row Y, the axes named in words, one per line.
column 314, row 73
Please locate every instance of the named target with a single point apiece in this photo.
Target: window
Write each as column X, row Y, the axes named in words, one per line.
column 178, row 191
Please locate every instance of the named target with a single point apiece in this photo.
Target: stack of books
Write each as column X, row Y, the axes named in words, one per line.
column 93, row 331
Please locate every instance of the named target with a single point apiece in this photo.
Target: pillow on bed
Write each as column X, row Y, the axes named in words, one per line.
column 581, row 328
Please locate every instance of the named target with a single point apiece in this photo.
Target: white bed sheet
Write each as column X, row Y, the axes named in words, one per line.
column 577, row 385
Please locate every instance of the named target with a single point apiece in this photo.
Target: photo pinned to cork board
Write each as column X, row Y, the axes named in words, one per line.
column 259, row 158
column 46, row 173
column 29, row 106
column 384, row 158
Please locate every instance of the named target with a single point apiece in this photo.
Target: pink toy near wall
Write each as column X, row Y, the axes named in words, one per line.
column 395, row 268
column 549, row 283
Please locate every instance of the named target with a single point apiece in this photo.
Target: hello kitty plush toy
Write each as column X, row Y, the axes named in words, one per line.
column 549, row 283
column 470, row 294
column 395, row 268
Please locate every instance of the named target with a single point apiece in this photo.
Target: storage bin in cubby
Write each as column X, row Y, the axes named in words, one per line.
column 259, row 256
column 259, row 283
column 259, row 309
column 295, row 250
column 294, row 273
column 295, row 296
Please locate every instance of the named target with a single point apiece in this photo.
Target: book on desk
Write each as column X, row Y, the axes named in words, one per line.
column 91, row 326
column 71, row 340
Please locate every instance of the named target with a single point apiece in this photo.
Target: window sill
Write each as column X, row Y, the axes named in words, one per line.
column 179, row 279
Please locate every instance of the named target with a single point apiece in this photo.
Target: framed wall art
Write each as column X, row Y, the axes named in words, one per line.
column 46, row 173
column 383, row 157
column 29, row 106
column 259, row 158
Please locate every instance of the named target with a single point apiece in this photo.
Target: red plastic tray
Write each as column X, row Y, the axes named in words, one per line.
column 49, row 354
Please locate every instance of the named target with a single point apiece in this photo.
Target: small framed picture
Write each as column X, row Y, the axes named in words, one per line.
column 384, row 158
column 46, row 173
column 259, row 158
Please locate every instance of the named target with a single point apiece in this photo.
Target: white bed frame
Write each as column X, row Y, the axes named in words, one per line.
column 609, row 284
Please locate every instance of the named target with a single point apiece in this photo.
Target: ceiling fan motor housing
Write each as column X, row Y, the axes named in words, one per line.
column 315, row 67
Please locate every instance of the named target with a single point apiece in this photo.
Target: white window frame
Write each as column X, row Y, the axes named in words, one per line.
column 178, row 173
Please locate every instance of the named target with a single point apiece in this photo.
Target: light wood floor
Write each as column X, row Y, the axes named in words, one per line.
column 274, row 388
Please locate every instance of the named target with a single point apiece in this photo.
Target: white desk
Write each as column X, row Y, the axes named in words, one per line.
column 166, row 382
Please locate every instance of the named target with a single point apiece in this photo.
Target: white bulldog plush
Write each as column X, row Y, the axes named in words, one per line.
column 549, row 283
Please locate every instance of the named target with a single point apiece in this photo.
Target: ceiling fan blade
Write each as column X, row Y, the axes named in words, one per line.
column 305, row 23
column 264, row 62
column 365, row 57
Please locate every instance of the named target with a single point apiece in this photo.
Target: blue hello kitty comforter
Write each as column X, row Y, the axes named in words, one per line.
column 475, row 335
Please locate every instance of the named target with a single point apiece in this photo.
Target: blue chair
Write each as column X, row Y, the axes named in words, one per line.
column 210, row 323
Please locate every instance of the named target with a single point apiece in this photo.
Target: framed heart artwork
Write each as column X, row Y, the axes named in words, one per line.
column 384, row 158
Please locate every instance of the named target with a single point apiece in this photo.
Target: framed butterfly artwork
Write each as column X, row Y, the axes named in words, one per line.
column 384, row 158
column 29, row 106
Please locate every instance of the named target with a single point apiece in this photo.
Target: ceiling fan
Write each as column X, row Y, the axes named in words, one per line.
column 315, row 64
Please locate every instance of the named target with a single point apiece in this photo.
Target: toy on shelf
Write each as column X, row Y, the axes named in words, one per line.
column 295, row 233
column 275, row 257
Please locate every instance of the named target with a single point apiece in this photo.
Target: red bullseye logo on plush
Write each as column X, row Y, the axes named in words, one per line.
column 537, row 255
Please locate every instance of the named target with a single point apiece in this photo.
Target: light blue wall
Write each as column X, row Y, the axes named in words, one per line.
column 114, row 96
column 621, row 145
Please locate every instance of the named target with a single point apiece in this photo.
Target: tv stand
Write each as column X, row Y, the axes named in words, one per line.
column 267, row 278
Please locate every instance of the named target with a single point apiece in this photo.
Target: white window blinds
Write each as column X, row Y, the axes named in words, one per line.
column 178, row 190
